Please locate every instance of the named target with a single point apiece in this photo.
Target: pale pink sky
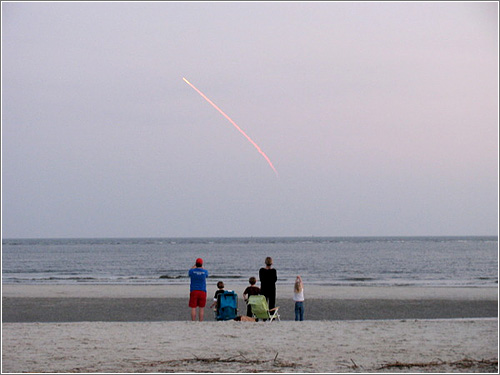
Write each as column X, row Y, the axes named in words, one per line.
column 380, row 118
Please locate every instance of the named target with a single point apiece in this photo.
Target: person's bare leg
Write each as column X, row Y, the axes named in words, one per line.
column 201, row 313
column 193, row 313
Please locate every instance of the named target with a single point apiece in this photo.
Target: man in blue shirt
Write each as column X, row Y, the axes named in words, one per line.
column 198, row 289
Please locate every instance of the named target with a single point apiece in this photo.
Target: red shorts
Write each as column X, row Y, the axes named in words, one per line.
column 197, row 298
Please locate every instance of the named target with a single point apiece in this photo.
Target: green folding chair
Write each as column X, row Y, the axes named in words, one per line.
column 260, row 309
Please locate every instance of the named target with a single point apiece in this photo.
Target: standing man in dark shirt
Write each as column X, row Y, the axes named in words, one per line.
column 268, row 277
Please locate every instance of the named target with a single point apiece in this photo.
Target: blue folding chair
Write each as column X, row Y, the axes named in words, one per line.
column 227, row 305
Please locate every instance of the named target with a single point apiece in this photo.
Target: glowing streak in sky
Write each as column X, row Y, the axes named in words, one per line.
column 232, row 122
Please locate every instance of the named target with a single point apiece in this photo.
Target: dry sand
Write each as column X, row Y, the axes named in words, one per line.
column 309, row 346
column 396, row 345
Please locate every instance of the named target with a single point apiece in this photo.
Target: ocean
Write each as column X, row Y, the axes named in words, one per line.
column 349, row 261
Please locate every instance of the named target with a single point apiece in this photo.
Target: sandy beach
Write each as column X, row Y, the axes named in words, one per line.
column 92, row 328
column 76, row 303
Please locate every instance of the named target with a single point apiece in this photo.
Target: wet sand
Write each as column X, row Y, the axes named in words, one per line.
column 120, row 303
column 176, row 309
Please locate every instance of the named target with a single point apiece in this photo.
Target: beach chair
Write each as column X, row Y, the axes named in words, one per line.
column 227, row 305
column 260, row 309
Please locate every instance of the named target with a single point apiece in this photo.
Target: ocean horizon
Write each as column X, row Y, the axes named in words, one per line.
column 343, row 261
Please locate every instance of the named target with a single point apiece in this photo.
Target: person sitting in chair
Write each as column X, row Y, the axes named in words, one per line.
column 252, row 290
column 221, row 290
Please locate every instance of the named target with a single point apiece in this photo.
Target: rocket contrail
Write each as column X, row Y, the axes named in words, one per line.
column 235, row 125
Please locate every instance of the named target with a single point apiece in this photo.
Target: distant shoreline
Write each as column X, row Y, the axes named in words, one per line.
column 493, row 237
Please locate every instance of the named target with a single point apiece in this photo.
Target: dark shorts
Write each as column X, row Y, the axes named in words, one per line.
column 197, row 298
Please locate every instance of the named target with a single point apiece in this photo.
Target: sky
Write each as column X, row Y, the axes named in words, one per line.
column 381, row 119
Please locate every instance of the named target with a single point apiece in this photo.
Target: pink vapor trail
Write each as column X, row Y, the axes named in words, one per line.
column 235, row 125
